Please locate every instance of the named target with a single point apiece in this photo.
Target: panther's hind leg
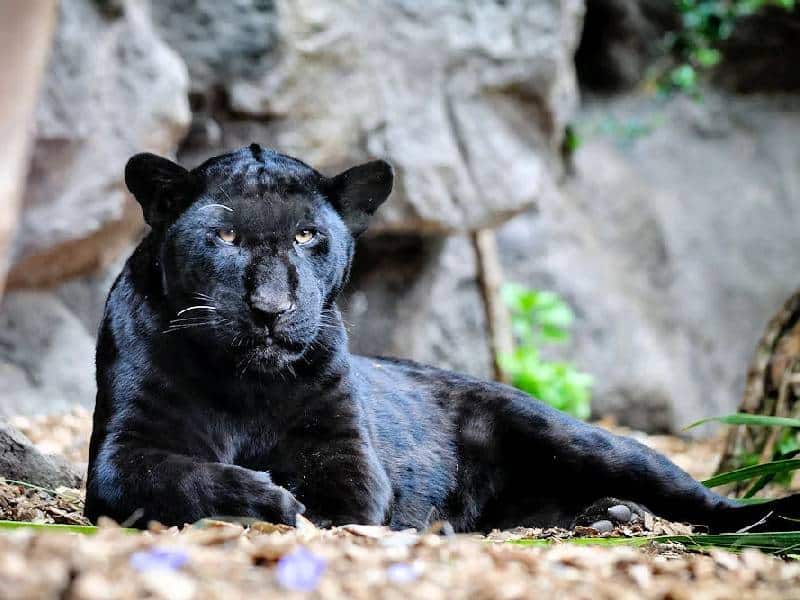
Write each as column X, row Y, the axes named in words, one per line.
column 543, row 468
column 563, row 467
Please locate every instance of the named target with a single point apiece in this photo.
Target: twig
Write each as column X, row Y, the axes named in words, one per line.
column 490, row 278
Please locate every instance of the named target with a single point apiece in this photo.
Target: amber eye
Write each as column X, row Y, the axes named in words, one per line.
column 227, row 235
column 303, row 236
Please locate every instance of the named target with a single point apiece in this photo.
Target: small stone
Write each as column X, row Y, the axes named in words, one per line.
column 603, row 526
column 620, row 513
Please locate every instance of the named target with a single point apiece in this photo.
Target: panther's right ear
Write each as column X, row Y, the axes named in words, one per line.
column 163, row 188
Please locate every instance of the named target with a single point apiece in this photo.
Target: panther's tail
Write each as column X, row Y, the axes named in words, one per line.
column 631, row 471
column 776, row 515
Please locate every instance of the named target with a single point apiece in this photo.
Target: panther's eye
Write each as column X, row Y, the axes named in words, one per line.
column 304, row 236
column 227, row 235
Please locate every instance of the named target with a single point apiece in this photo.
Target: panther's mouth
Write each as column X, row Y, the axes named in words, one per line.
column 272, row 353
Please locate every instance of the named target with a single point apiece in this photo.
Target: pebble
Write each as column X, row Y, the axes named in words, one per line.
column 603, row 526
column 620, row 513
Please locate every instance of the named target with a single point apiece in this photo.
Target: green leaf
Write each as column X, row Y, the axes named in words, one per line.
column 517, row 297
column 745, row 473
column 748, row 419
column 572, row 139
column 49, row 527
column 762, row 482
column 554, row 334
column 746, row 501
column 684, row 77
column 707, row 57
column 31, row 486
column 777, row 543
column 558, row 316
column 539, row 316
column 789, row 444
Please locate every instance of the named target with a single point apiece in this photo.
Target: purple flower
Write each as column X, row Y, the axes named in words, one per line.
column 300, row 570
column 401, row 573
column 158, row 558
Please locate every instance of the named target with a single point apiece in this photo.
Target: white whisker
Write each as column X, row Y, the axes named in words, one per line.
column 198, row 307
column 215, row 205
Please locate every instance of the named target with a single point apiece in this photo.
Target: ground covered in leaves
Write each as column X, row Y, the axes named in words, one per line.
column 215, row 559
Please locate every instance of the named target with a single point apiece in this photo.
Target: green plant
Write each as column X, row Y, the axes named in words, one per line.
column 572, row 140
column 705, row 24
column 778, row 469
column 538, row 318
column 781, row 543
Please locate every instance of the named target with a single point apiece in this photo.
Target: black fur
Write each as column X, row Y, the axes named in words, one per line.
column 255, row 407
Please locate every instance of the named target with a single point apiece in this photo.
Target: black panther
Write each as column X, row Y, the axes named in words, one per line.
column 226, row 388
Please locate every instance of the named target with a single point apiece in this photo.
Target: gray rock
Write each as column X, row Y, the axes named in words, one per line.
column 603, row 526
column 112, row 88
column 418, row 299
column 620, row 513
column 467, row 99
column 86, row 296
column 674, row 249
column 21, row 461
column 221, row 42
column 46, row 356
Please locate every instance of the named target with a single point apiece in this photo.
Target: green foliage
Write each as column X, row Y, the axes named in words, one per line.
column 628, row 130
column 538, row 318
column 624, row 132
column 748, row 419
column 705, row 24
column 49, row 527
column 572, row 140
column 753, row 471
column 775, row 543
column 779, row 469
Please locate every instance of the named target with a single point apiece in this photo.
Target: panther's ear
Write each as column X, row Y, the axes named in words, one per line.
column 358, row 192
column 163, row 188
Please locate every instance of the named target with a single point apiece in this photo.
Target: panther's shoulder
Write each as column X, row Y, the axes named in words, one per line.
column 130, row 312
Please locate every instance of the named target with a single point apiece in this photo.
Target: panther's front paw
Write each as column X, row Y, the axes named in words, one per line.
column 605, row 514
column 278, row 505
column 290, row 507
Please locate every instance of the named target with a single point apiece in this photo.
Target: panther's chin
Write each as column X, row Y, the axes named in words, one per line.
column 272, row 356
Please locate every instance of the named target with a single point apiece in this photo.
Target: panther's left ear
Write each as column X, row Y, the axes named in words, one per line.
column 358, row 192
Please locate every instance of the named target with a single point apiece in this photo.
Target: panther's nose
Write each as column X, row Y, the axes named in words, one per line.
column 270, row 308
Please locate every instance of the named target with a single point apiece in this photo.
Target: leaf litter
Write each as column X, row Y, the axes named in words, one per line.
column 219, row 559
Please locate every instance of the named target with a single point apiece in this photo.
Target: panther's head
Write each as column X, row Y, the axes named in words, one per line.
column 255, row 246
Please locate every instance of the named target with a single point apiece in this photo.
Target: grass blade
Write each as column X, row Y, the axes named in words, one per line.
column 766, row 479
column 745, row 473
column 744, row 501
column 50, row 527
column 748, row 419
column 767, row 542
column 31, row 486
column 779, row 543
